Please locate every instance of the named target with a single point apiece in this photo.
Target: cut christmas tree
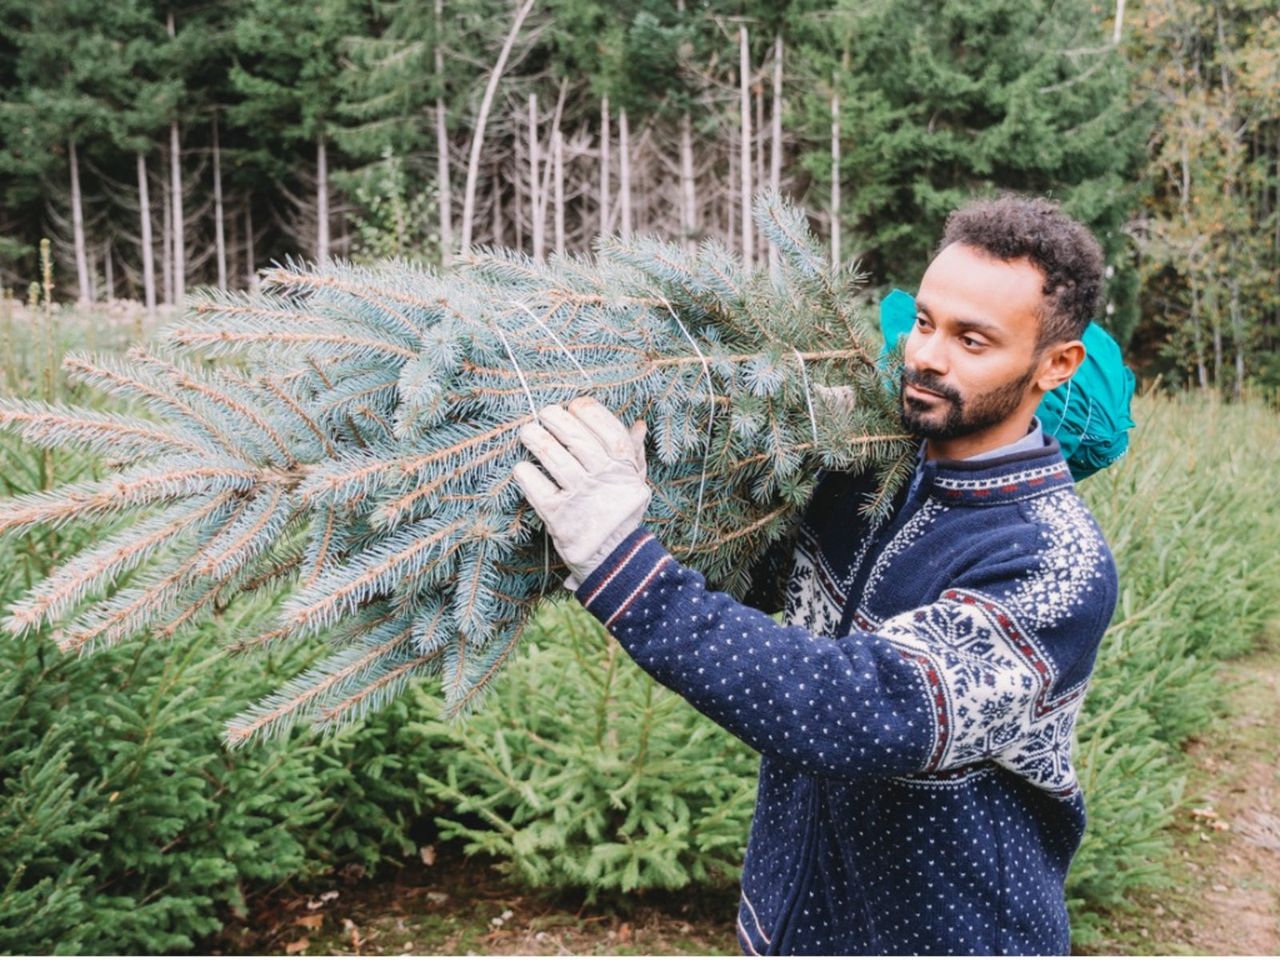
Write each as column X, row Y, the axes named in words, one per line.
column 350, row 432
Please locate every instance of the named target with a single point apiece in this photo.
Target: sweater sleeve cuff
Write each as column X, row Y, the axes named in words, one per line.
column 623, row 576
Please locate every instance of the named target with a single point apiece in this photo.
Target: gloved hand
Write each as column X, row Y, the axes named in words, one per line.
column 837, row 398
column 599, row 496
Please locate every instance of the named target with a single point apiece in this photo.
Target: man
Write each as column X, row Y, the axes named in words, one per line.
column 914, row 712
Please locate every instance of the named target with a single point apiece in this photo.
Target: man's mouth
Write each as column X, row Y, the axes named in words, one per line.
column 926, row 394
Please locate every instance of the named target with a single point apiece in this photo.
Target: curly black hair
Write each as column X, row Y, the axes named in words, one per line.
column 1012, row 227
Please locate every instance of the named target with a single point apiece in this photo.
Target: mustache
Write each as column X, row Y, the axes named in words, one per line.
column 930, row 382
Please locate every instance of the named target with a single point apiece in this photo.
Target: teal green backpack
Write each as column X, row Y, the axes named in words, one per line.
column 1089, row 414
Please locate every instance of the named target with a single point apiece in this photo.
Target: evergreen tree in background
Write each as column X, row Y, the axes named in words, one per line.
column 948, row 98
column 359, row 446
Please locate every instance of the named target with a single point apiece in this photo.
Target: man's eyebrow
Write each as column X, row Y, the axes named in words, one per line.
column 984, row 326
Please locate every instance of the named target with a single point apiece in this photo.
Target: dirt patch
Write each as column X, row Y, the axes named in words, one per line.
column 1224, row 897
column 460, row 906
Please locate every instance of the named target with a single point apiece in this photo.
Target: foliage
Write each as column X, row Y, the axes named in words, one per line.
column 1210, row 232
column 1198, row 584
column 361, row 450
column 585, row 774
column 391, row 220
column 942, row 100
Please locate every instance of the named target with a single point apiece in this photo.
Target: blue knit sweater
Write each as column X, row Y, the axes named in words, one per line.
column 914, row 712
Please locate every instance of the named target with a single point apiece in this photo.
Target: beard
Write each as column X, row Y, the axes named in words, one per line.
column 953, row 415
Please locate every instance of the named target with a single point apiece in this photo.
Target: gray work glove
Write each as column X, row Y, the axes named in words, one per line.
column 599, row 496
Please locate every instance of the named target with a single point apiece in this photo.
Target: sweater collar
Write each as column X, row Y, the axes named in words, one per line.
column 1001, row 479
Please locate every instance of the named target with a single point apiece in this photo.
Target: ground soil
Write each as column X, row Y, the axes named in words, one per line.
column 1223, row 896
column 462, row 906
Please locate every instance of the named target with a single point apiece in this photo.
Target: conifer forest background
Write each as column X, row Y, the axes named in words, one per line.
column 153, row 151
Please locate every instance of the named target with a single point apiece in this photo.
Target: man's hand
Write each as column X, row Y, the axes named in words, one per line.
column 599, row 496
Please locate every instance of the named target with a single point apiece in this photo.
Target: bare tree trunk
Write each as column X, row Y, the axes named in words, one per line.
column 219, row 235
column 499, row 225
column 757, row 150
column 688, row 188
column 557, row 154
column 604, row 165
column 166, row 238
column 732, row 192
column 148, row 254
column 108, row 272
column 744, row 147
column 536, row 206
column 1202, row 373
column 1119, row 24
column 444, row 193
column 251, row 263
column 477, row 139
column 1237, row 335
column 83, row 292
column 175, row 200
column 775, row 141
column 835, row 175
column 624, row 159
column 322, row 200
column 175, row 204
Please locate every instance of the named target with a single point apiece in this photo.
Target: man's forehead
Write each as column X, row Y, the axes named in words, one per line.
column 963, row 283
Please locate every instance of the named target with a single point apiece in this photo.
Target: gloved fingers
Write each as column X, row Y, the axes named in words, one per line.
column 555, row 459
column 637, row 432
column 537, row 489
column 577, row 438
column 606, row 427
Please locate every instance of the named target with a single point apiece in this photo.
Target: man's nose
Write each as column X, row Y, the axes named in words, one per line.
column 929, row 353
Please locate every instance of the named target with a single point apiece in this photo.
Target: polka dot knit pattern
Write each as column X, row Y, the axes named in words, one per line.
column 914, row 711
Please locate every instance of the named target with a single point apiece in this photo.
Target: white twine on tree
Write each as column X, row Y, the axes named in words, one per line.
column 711, row 414
column 560, row 343
column 808, row 397
column 533, row 408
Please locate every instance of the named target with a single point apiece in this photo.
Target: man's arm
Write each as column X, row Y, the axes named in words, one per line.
column 965, row 678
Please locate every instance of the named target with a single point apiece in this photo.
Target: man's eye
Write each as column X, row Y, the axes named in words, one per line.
column 922, row 321
column 971, row 343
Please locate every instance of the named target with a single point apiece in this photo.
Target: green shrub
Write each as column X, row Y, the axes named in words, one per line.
column 1193, row 520
column 582, row 772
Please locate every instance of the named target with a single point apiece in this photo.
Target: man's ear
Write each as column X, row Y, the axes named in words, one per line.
column 1059, row 363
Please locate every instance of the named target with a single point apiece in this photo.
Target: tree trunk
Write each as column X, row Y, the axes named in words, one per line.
column 322, row 200
column 166, row 238
column 775, row 140
column 1237, row 336
column 148, row 253
column 835, row 175
column 744, row 147
column 219, row 234
column 688, row 188
column 108, row 271
column 624, row 159
column 175, row 203
column 604, row 166
column 499, row 225
column 1119, row 24
column 757, row 150
column 557, row 153
column 444, row 193
column 83, row 292
column 251, row 278
column 477, row 139
column 536, row 205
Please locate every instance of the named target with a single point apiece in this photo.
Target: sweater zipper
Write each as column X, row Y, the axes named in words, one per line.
column 879, row 540
column 804, row 873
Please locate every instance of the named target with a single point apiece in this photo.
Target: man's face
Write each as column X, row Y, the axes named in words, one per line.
column 971, row 358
